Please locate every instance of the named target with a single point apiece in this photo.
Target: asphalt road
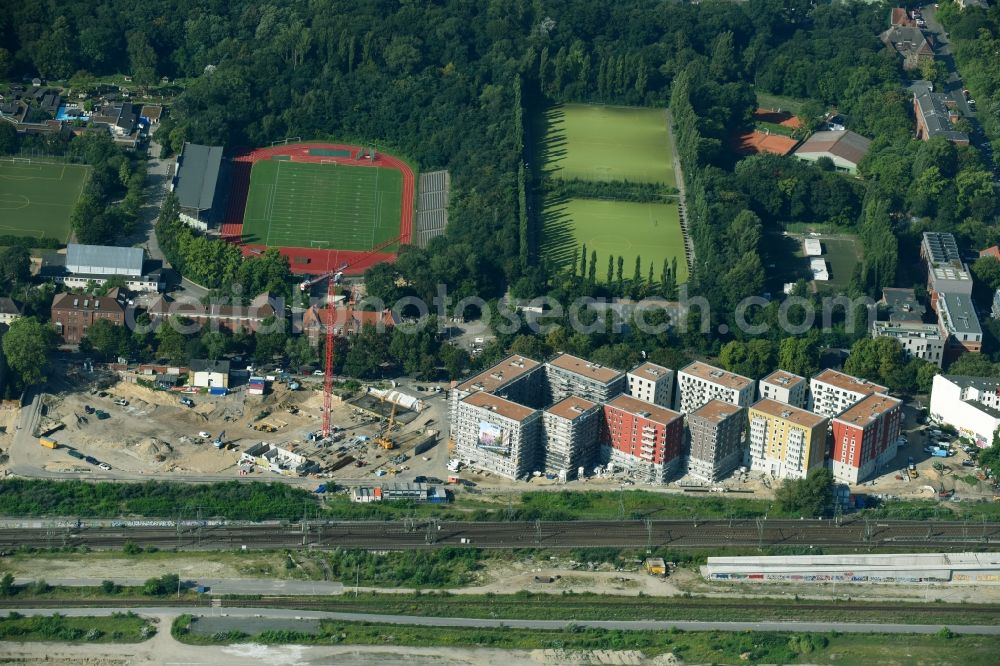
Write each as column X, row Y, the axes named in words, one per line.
column 624, row 625
column 422, row 534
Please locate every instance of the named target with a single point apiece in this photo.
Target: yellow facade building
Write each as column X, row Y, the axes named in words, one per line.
column 785, row 441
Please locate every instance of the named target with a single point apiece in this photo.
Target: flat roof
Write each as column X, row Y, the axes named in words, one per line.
column 197, row 175
column 651, row 371
column 849, row 383
column 961, row 315
column 86, row 258
column 585, row 368
column 500, row 374
column 716, row 410
column 495, row 403
column 783, row 378
column 787, row 412
column 869, row 409
column 717, row 375
column 571, row 408
column 627, row 403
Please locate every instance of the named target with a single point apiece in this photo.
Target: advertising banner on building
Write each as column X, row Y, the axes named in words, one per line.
column 492, row 438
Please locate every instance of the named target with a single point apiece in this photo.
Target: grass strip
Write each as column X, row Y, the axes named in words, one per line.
column 116, row 628
column 692, row 647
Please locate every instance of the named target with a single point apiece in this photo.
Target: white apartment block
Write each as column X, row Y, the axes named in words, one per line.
column 971, row 405
column 570, row 375
column 785, row 387
column 698, row 383
column 497, row 435
column 652, row 383
column 831, row 392
column 919, row 340
column 572, row 427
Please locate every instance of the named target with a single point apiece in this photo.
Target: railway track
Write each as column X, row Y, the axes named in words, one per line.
column 422, row 534
column 632, row 605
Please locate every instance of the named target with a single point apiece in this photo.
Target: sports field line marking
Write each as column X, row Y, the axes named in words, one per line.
column 270, row 202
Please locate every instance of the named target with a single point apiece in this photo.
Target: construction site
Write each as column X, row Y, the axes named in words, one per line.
column 134, row 430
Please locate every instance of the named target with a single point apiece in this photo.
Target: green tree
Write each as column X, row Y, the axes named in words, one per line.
column 810, row 497
column 987, row 270
column 611, row 269
column 15, row 266
column 106, row 339
column 27, row 346
column 799, row 355
column 877, row 359
column 592, row 271
column 7, row 588
column 10, row 143
column 752, row 359
column 170, row 342
column 215, row 343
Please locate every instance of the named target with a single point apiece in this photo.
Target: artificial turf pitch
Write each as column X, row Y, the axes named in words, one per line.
column 37, row 199
column 328, row 206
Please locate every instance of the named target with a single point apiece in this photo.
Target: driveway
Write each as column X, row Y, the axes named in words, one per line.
column 954, row 85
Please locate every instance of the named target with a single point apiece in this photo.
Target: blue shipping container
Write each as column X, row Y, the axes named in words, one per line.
column 218, row 390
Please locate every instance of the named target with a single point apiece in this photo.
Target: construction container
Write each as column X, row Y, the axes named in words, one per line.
column 425, row 446
column 218, row 390
column 48, row 442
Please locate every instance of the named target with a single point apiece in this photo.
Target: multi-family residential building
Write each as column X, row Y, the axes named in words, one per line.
column 786, row 387
column 652, row 383
column 642, row 439
column 232, row 317
column 715, row 432
column 346, row 321
column 785, row 441
column 971, row 405
column 831, row 392
column 497, row 435
column 516, row 378
column 571, row 430
column 569, row 375
column 949, row 284
column 865, row 438
column 73, row 314
column 957, row 316
column 918, row 340
column 945, row 270
column 698, row 382
column 935, row 118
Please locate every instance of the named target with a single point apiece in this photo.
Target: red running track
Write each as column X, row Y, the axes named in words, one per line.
column 304, row 260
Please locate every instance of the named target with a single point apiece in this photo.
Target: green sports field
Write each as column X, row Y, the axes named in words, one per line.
column 613, row 143
column 651, row 231
column 37, row 199
column 601, row 143
column 327, row 206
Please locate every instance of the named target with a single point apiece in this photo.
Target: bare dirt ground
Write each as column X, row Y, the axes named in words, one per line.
column 497, row 577
column 163, row 649
column 155, row 434
column 113, row 566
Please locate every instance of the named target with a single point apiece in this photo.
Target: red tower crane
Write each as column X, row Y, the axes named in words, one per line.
column 334, row 278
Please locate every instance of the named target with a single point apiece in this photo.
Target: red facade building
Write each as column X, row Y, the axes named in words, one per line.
column 865, row 437
column 642, row 438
